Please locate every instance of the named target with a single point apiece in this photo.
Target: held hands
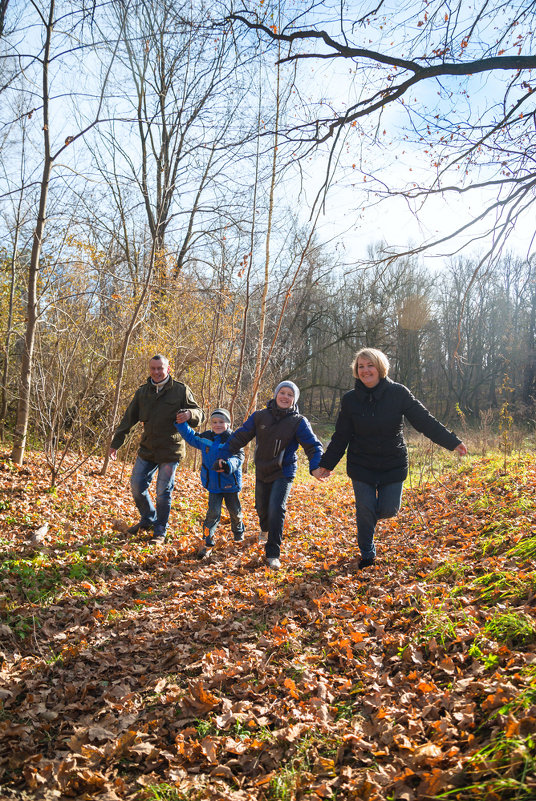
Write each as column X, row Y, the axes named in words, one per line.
column 321, row 473
column 461, row 449
column 113, row 454
column 183, row 416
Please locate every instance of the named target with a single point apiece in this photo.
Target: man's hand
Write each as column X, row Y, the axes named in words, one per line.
column 321, row 473
column 113, row 454
column 183, row 416
column 461, row 449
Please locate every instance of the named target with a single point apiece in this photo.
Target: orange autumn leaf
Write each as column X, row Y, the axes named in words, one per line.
column 291, row 687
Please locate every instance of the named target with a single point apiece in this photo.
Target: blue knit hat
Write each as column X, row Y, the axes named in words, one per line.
column 291, row 385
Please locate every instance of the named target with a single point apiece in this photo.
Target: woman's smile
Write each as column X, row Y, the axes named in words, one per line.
column 368, row 373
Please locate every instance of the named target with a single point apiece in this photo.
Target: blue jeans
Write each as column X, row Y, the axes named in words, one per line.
column 271, row 506
column 140, row 480
column 232, row 502
column 373, row 503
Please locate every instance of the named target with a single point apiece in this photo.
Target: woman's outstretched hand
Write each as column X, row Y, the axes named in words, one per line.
column 461, row 449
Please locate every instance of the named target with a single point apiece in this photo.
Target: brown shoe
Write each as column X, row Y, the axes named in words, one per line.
column 136, row 528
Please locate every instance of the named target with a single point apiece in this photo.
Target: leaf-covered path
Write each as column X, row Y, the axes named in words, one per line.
column 130, row 671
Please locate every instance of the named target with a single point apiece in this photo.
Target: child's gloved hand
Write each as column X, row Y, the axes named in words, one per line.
column 221, row 466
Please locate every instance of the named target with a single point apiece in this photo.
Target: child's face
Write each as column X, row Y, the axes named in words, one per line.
column 218, row 425
column 285, row 398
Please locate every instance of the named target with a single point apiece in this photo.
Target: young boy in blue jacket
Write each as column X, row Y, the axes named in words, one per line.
column 221, row 477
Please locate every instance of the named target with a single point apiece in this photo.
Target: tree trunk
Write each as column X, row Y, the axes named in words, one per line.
column 5, row 372
column 25, row 383
column 122, row 360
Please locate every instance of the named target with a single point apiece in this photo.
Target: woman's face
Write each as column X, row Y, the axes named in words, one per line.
column 368, row 372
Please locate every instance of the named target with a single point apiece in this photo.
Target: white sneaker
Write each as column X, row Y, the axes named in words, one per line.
column 274, row 563
column 263, row 538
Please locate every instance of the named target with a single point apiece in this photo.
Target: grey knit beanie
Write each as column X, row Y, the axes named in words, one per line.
column 291, row 385
column 222, row 413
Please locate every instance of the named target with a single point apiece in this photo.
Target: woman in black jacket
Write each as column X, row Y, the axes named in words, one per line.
column 369, row 425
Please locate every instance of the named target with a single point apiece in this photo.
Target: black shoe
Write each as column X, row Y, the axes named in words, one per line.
column 136, row 528
column 239, row 537
column 366, row 563
column 204, row 551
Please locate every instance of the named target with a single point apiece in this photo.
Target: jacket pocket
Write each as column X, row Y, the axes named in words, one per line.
column 269, row 470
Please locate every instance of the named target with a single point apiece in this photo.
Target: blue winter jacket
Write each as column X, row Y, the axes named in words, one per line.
column 209, row 444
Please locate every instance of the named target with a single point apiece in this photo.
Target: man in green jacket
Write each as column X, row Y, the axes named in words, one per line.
column 156, row 404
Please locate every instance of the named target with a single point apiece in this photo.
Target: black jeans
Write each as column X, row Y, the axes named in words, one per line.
column 232, row 502
column 271, row 506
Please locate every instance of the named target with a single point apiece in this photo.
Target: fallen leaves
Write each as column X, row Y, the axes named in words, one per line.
column 125, row 669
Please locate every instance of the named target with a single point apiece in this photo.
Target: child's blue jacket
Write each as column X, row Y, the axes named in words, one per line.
column 209, row 444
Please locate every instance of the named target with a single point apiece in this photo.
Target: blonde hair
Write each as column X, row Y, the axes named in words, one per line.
column 377, row 357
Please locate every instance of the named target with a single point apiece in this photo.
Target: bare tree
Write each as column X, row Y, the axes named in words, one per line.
column 50, row 27
column 15, row 223
column 429, row 66
column 177, row 69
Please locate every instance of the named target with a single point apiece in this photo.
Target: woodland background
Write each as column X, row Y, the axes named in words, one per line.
column 156, row 197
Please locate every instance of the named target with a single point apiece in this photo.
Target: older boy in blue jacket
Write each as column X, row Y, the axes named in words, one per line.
column 222, row 478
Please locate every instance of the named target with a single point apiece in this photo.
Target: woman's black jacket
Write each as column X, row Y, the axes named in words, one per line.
column 370, row 426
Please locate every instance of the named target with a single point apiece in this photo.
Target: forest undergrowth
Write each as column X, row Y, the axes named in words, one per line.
column 130, row 671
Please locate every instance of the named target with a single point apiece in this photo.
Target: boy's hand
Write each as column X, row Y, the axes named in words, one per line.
column 221, row 466
column 183, row 415
column 321, row 473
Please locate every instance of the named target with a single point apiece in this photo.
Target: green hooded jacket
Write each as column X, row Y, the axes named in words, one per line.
column 160, row 441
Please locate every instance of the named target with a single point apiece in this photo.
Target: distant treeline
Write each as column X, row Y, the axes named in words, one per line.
column 461, row 343
column 460, row 346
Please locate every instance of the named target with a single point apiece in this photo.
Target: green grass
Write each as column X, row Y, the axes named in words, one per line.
column 283, row 786
column 167, row 792
column 496, row 542
column 454, row 570
column 501, row 586
column 437, row 625
column 512, row 628
column 289, row 781
column 509, row 760
column 525, row 700
column 21, row 625
column 490, row 661
column 208, row 728
column 525, row 549
column 36, row 578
